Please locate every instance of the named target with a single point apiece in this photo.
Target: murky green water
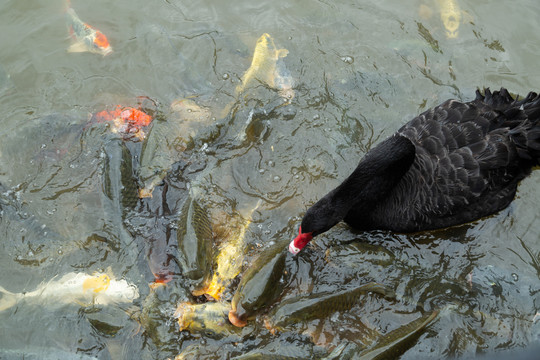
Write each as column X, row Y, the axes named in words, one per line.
column 360, row 69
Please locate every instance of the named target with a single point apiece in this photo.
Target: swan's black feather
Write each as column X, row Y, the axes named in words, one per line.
column 452, row 164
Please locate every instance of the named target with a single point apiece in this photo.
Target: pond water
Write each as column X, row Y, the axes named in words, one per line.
column 358, row 69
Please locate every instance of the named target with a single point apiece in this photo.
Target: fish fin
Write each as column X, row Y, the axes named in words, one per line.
column 8, row 299
column 281, row 53
column 109, row 272
column 77, row 47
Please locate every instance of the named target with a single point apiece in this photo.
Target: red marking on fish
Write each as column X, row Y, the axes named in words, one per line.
column 125, row 120
column 86, row 38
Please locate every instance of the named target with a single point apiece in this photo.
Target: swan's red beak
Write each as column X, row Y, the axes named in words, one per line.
column 299, row 242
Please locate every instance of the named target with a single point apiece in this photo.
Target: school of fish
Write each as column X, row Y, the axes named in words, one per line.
column 210, row 269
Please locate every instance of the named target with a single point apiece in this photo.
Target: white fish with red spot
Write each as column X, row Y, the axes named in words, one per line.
column 86, row 38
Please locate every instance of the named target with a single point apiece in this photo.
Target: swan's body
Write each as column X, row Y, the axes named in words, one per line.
column 452, row 164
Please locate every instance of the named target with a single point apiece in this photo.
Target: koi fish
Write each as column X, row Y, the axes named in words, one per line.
column 450, row 16
column 85, row 37
column 229, row 258
column 43, row 353
column 75, row 287
column 317, row 306
column 125, row 120
column 209, row 318
column 259, row 286
column 195, row 239
column 267, row 68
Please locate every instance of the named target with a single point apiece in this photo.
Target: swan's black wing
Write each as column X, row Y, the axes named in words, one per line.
column 469, row 160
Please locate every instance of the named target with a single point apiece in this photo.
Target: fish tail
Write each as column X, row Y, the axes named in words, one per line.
column 7, row 300
column 67, row 6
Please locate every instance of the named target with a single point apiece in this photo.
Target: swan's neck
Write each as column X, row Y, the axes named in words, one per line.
column 375, row 176
column 377, row 173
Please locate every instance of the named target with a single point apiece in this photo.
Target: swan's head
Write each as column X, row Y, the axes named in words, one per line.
column 300, row 241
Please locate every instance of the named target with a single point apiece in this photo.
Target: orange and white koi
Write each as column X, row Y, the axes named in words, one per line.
column 80, row 288
column 126, row 120
column 85, row 37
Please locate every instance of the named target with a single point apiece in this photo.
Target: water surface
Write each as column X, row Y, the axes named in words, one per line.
column 361, row 70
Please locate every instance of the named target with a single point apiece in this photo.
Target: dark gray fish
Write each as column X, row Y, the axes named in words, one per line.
column 259, row 285
column 155, row 316
column 286, row 353
column 195, row 237
column 281, row 349
column 43, row 353
column 396, row 342
column 167, row 141
column 315, row 306
column 209, row 319
column 119, row 182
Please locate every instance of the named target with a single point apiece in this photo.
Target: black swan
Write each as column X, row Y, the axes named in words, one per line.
column 452, row 164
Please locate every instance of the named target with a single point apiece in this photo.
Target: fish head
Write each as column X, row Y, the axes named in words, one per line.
column 100, row 44
column 97, row 283
column 210, row 319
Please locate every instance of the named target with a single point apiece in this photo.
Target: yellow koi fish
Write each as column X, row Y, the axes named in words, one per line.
column 229, row 259
column 85, row 37
column 209, row 318
column 450, row 16
column 266, row 69
column 75, row 287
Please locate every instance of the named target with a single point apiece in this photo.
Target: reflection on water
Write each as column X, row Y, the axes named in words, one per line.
column 69, row 186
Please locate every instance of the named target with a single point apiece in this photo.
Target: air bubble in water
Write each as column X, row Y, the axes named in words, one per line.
column 347, row 59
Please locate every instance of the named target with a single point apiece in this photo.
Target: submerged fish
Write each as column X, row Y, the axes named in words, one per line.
column 259, row 285
column 396, row 342
column 157, row 311
column 450, row 16
column 119, row 182
column 266, row 68
column 229, row 258
column 167, row 140
column 85, row 37
column 125, row 120
column 315, row 306
column 195, row 239
column 43, row 353
column 75, row 287
column 209, row 318
column 281, row 351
